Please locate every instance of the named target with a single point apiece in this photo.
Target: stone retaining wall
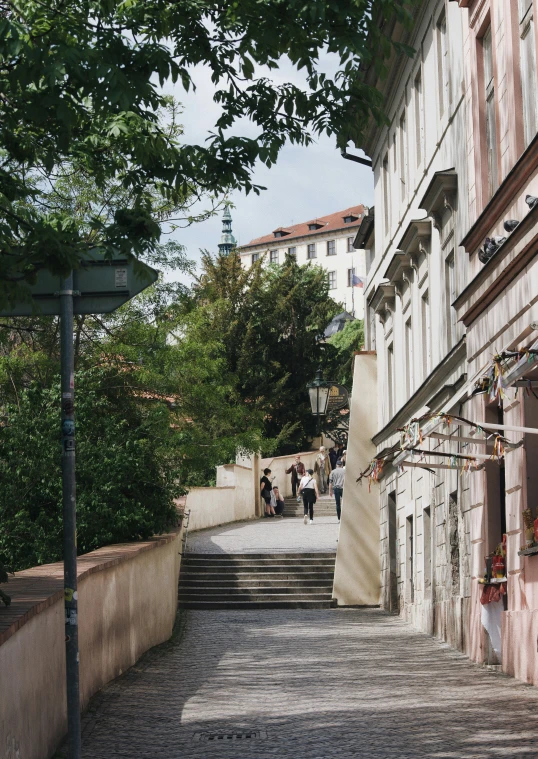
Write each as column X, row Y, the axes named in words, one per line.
column 127, row 604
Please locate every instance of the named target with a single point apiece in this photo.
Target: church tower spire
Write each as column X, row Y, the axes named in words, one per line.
column 227, row 240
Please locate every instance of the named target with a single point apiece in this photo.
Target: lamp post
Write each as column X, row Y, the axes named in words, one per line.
column 318, row 391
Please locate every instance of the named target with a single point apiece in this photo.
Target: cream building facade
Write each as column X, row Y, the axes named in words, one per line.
column 327, row 241
column 415, row 269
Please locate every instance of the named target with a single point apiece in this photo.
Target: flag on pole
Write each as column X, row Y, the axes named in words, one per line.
column 358, row 281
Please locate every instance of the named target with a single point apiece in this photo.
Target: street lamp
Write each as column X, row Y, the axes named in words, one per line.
column 318, row 391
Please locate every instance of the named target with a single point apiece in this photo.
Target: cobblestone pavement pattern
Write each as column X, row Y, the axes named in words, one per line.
column 327, row 684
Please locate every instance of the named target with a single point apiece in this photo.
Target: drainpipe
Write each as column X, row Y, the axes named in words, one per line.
column 356, row 158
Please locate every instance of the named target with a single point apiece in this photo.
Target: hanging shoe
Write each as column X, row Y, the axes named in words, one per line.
column 305, row 520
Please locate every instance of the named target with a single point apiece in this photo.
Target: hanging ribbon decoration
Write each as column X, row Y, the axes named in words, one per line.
column 493, row 381
column 498, row 448
column 411, row 437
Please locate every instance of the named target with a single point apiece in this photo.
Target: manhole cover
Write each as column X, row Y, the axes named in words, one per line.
column 246, row 735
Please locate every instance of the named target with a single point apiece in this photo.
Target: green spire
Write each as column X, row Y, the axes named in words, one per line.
column 227, row 240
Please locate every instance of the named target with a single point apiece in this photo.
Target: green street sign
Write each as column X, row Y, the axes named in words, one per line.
column 99, row 286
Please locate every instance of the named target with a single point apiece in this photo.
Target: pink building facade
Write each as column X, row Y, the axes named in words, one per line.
column 499, row 310
column 452, row 318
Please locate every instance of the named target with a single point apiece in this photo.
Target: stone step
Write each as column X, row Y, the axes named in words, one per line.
column 275, row 570
column 258, row 597
column 251, row 605
column 257, row 581
column 317, row 509
column 317, row 513
column 266, row 577
column 275, row 555
column 247, row 582
column 262, row 590
column 319, row 502
column 284, row 562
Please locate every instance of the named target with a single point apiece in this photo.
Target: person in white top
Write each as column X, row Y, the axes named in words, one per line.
column 309, row 489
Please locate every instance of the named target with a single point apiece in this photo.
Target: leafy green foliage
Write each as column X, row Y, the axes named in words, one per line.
column 82, row 85
column 268, row 321
column 126, row 469
column 346, row 342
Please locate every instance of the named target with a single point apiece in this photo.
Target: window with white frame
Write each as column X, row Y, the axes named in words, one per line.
column 350, row 246
column 292, row 253
column 331, row 278
column 273, row 256
column 331, row 247
column 527, row 48
column 426, row 334
column 403, row 156
column 419, row 118
column 410, row 560
column 255, row 257
column 443, row 71
column 386, row 194
column 450, row 297
column 408, row 336
column 350, row 275
column 311, row 250
column 390, row 380
column 372, row 337
column 491, row 124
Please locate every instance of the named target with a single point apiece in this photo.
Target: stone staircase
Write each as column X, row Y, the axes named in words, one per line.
column 257, row 581
column 324, row 507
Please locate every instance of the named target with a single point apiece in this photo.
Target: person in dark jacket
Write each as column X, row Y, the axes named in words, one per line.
column 265, row 488
column 333, row 456
column 297, row 470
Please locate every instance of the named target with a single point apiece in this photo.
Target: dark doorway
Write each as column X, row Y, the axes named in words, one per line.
column 393, row 563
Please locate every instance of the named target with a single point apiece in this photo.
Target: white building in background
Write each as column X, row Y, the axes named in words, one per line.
column 327, row 241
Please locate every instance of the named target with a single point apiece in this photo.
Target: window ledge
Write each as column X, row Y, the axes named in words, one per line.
column 532, row 551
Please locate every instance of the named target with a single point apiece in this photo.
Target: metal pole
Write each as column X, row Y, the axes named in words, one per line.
column 69, row 517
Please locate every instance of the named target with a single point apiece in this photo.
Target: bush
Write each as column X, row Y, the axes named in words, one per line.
column 125, row 466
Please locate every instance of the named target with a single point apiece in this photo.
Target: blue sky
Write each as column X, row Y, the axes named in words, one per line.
column 305, row 182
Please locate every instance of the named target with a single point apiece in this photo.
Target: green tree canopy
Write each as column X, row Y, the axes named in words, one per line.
column 345, row 343
column 269, row 321
column 81, row 82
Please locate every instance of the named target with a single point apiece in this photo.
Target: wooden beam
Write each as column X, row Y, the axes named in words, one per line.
column 456, row 439
column 438, row 466
column 471, row 440
column 509, row 427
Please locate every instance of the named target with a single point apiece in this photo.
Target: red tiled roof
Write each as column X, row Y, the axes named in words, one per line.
column 331, row 223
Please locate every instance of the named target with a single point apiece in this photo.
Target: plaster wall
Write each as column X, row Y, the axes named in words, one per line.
column 126, row 606
column 213, row 506
column 356, row 577
column 278, row 466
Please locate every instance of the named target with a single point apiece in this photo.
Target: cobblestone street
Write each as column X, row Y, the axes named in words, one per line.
column 307, row 685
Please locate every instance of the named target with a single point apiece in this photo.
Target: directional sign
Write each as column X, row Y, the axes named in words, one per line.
column 99, row 286
column 338, row 398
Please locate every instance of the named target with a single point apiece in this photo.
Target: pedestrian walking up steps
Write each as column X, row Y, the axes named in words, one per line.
column 257, row 581
column 324, row 507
